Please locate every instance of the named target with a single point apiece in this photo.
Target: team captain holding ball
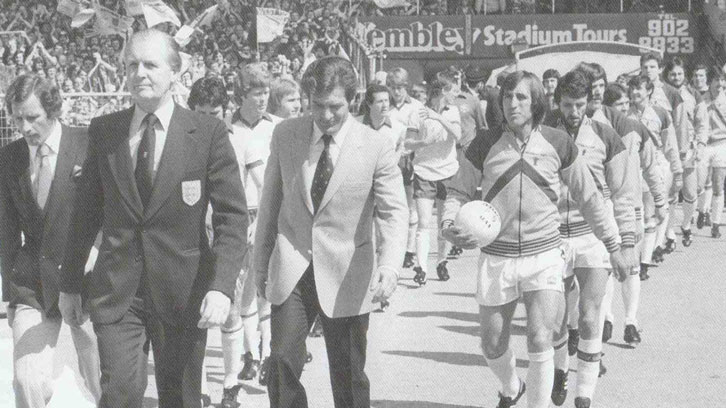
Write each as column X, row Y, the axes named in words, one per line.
column 520, row 170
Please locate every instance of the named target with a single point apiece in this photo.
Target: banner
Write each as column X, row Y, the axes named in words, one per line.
column 184, row 34
column 206, row 17
column 108, row 22
column 270, row 23
column 69, row 7
column 157, row 12
column 82, row 17
column 390, row 3
column 436, row 37
column 134, row 8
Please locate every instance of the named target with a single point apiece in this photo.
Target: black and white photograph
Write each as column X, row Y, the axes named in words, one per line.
column 362, row 203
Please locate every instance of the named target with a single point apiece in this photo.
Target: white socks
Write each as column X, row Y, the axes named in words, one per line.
column 265, row 336
column 423, row 245
column 704, row 200
column 588, row 366
column 716, row 209
column 251, row 336
column 606, row 309
column 688, row 209
column 232, row 348
column 631, row 298
column 540, row 378
column 562, row 358
column 504, row 367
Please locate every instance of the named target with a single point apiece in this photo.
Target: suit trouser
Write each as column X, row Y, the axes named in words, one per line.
column 345, row 341
column 34, row 339
column 124, row 350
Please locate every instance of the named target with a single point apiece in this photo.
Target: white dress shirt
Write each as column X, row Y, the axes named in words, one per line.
column 53, row 142
column 316, row 149
column 136, row 130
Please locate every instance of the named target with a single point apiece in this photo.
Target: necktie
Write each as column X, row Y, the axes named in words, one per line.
column 43, row 177
column 323, row 171
column 144, row 172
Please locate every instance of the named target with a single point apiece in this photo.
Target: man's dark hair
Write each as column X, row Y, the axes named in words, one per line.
column 639, row 80
column 672, row 63
column 593, row 71
column 539, row 106
column 208, row 91
column 574, row 85
column 613, row 93
column 551, row 73
column 327, row 73
column 31, row 84
column 371, row 91
column 651, row 56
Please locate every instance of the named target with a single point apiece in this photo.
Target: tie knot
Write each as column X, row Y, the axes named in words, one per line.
column 150, row 120
column 43, row 150
column 327, row 139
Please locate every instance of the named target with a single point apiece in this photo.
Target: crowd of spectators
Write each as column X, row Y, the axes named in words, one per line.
column 37, row 38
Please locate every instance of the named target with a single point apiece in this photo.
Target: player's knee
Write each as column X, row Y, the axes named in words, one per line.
column 492, row 345
column 589, row 318
column 539, row 338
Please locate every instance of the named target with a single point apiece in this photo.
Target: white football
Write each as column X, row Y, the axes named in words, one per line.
column 479, row 219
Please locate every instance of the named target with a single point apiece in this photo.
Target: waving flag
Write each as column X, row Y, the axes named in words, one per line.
column 82, row 17
column 270, row 23
column 157, row 12
column 108, row 22
column 184, row 34
column 390, row 3
column 69, row 7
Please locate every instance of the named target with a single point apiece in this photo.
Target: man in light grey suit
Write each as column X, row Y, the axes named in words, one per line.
column 315, row 252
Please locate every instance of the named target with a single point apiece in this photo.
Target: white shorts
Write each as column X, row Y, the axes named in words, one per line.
column 502, row 280
column 585, row 251
column 714, row 155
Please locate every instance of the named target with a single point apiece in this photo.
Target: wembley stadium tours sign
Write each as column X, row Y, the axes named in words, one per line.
column 435, row 37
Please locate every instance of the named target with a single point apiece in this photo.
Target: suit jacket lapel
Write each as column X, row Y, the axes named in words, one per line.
column 172, row 163
column 119, row 160
column 59, row 185
column 22, row 168
column 301, row 153
column 346, row 159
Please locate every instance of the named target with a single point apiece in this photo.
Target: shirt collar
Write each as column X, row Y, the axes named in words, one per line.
column 369, row 122
column 53, row 141
column 163, row 114
column 406, row 100
column 237, row 117
column 338, row 137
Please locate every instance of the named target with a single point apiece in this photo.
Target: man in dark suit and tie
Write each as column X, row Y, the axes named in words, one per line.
column 149, row 175
column 314, row 248
column 38, row 177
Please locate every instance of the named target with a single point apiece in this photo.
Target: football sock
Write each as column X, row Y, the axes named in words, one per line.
column 588, row 366
column 540, row 378
column 251, row 336
column 716, row 209
column 504, row 368
column 232, row 349
column 423, row 245
column 631, row 298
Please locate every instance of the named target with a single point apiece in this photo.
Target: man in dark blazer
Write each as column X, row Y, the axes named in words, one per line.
column 149, row 175
column 38, row 177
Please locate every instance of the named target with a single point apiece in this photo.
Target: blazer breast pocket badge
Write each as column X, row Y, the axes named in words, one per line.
column 191, row 191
